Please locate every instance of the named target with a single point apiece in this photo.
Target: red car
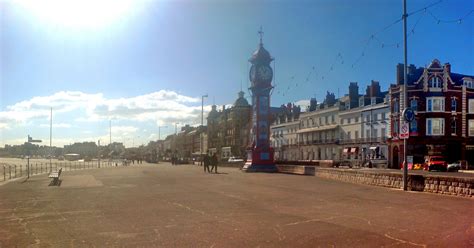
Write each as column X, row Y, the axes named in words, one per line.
column 436, row 163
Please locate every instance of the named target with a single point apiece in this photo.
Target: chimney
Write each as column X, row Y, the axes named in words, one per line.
column 447, row 67
column 353, row 95
column 399, row 74
column 312, row 104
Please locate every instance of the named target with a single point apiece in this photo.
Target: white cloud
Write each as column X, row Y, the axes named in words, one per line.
column 164, row 108
column 167, row 106
column 303, row 104
column 57, row 125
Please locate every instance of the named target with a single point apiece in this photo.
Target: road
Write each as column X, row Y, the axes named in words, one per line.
column 180, row 206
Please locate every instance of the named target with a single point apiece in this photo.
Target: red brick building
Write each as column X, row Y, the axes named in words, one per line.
column 443, row 102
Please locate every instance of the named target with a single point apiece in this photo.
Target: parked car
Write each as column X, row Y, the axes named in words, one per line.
column 436, row 163
column 235, row 160
column 454, row 166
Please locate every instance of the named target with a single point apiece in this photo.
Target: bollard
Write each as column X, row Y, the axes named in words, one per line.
column 15, row 172
column 4, row 175
column 21, row 171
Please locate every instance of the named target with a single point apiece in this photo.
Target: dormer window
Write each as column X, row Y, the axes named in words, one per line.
column 373, row 100
column 468, row 83
column 435, row 82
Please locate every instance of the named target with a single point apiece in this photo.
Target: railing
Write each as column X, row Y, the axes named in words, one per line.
column 316, row 142
column 364, row 140
column 379, row 140
column 12, row 171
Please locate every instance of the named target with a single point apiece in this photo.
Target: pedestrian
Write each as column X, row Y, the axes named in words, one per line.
column 214, row 163
column 207, row 161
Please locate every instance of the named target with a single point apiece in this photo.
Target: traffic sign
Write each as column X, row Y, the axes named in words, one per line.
column 408, row 114
column 404, row 130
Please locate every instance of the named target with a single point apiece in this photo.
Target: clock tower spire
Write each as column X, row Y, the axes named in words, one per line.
column 259, row 152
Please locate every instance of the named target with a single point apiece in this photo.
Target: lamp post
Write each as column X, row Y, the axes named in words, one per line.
column 405, row 79
column 159, row 131
column 30, row 140
column 98, row 153
column 202, row 126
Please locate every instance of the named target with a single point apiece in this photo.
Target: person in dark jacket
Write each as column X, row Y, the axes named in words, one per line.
column 214, row 163
column 207, row 161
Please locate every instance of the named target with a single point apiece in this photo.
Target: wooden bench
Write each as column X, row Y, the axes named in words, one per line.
column 55, row 176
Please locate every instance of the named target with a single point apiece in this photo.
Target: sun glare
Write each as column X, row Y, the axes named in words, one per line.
column 80, row 14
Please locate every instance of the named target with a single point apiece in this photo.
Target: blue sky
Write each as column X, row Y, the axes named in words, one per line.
column 146, row 64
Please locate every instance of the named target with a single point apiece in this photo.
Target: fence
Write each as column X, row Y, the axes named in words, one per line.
column 12, row 171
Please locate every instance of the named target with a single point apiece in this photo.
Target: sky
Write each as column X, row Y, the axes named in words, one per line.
column 143, row 65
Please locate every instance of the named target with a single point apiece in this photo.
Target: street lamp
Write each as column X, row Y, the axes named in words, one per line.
column 202, row 126
column 30, row 140
column 159, row 131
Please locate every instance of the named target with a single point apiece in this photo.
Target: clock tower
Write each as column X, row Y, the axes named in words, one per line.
column 259, row 153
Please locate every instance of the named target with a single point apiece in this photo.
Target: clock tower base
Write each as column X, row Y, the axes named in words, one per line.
column 256, row 164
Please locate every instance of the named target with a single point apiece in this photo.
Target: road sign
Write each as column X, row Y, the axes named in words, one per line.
column 404, row 130
column 408, row 114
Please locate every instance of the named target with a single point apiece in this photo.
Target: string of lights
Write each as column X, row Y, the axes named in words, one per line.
column 380, row 43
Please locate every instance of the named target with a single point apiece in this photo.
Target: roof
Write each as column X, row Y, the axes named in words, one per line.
column 241, row 101
column 261, row 55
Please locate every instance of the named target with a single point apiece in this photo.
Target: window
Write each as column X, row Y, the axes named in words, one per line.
column 367, row 119
column 435, row 82
column 349, row 135
column 373, row 100
column 349, row 120
column 471, row 106
column 453, row 126
column 356, row 134
column 434, row 126
column 471, row 127
column 383, row 133
column 333, row 119
column 454, row 104
column 395, row 105
column 375, row 133
column 375, row 118
column 414, row 104
column 413, row 127
column 468, row 83
column 434, row 104
column 367, row 132
column 357, row 119
column 327, row 120
column 383, row 117
column 395, row 128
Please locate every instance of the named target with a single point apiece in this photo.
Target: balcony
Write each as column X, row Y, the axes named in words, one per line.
column 364, row 140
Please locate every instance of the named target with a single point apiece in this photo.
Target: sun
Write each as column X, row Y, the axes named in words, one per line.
column 78, row 14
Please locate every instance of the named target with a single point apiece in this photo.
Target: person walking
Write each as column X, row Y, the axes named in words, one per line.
column 214, row 163
column 206, row 161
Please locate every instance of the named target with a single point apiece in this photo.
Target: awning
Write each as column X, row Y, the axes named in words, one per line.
column 345, row 150
column 373, row 148
column 353, row 149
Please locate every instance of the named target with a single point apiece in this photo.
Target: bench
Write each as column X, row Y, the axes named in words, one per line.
column 55, row 176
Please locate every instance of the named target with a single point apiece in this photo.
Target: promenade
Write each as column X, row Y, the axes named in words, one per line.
column 181, row 206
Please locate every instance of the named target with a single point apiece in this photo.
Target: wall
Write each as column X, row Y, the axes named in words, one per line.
column 460, row 186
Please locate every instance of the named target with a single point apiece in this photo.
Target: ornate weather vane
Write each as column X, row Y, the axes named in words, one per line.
column 260, row 33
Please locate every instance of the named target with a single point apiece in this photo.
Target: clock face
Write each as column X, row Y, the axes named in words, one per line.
column 253, row 73
column 265, row 73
